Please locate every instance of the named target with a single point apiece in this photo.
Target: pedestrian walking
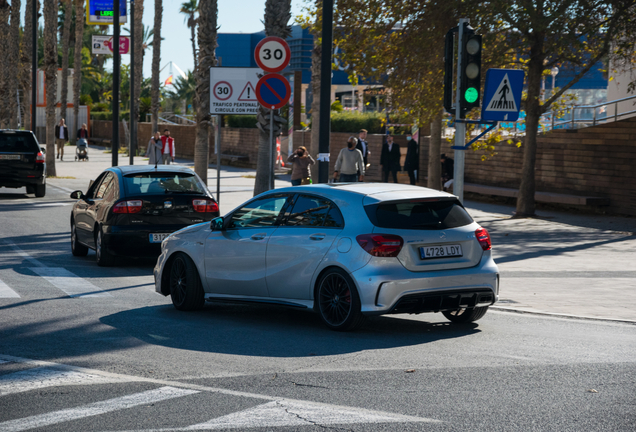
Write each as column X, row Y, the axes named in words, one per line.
column 412, row 160
column 390, row 159
column 301, row 160
column 448, row 171
column 168, row 147
column 363, row 146
column 155, row 149
column 61, row 138
column 350, row 164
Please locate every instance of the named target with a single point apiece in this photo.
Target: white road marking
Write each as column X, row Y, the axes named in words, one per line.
column 53, row 204
column 39, row 378
column 23, row 254
column 7, row 292
column 275, row 412
column 93, row 409
column 70, row 283
column 61, row 188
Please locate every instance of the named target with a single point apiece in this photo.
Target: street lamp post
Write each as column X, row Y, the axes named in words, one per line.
column 554, row 72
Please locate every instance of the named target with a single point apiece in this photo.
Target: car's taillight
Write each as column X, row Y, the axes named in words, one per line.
column 483, row 238
column 205, row 206
column 39, row 158
column 381, row 245
column 133, row 206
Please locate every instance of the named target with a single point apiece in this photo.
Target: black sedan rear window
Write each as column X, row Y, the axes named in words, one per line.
column 418, row 214
column 162, row 183
column 18, row 143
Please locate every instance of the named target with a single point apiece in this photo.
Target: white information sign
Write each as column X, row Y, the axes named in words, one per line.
column 103, row 44
column 232, row 90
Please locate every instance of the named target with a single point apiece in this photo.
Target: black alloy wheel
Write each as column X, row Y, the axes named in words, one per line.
column 185, row 285
column 77, row 248
column 338, row 301
column 103, row 257
column 465, row 315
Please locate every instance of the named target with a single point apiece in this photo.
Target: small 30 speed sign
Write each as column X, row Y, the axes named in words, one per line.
column 272, row 54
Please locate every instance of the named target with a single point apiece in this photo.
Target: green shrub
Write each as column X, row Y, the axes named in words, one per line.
column 108, row 115
column 348, row 121
column 240, row 121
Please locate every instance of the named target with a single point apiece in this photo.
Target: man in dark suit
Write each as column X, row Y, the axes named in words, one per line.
column 390, row 159
column 61, row 138
column 412, row 161
column 363, row 146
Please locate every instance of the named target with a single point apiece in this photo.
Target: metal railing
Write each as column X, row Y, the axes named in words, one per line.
column 172, row 118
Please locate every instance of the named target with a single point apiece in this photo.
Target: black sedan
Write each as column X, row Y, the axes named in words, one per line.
column 22, row 162
column 129, row 210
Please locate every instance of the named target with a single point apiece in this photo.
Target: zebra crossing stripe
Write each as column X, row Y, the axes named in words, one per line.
column 68, row 282
column 7, row 292
column 93, row 409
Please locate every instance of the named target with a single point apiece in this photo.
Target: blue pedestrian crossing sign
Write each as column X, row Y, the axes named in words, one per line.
column 502, row 94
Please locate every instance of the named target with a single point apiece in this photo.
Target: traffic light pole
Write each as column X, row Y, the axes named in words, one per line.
column 460, row 128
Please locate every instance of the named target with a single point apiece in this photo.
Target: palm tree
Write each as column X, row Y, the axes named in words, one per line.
column 208, row 13
column 25, row 60
column 183, row 89
column 316, row 61
column 156, row 59
column 277, row 16
column 5, row 9
column 189, row 8
column 139, row 41
column 65, row 37
column 12, row 60
column 77, row 61
column 50, row 72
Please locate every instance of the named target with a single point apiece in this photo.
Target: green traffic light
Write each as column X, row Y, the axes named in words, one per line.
column 471, row 94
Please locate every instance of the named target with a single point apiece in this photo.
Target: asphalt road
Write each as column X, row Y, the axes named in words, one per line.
column 84, row 348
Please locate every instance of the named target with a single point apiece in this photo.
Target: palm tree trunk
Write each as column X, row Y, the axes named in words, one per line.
column 25, row 61
column 77, row 61
column 156, row 59
column 192, row 38
column 316, row 61
column 12, row 59
column 277, row 16
column 66, row 36
column 139, row 56
column 208, row 13
column 434, row 164
column 50, row 71
column 4, row 69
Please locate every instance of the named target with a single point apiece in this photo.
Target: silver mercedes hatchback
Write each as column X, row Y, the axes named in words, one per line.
column 343, row 250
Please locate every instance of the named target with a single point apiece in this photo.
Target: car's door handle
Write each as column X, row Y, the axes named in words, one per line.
column 317, row 237
column 259, row 236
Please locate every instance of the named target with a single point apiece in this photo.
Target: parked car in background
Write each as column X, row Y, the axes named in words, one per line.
column 22, row 162
column 130, row 210
column 344, row 250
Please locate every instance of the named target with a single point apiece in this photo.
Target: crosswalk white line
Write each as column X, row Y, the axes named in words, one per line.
column 23, row 254
column 70, row 283
column 93, row 409
column 42, row 377
column 61, row 188
column 7, row 292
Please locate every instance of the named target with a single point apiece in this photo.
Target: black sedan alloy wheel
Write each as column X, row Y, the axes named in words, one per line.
column 77, row 248
column 338, row 301
column 185, row 286
column 465, row 315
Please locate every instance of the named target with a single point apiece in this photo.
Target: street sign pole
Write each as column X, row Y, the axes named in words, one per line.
column 460, row 128
column 217, row 150
column 116, row 70
column 133, row 119
column 271, row 147
column 324, row 128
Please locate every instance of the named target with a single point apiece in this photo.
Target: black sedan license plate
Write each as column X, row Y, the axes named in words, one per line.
column 158, row 238
column 445, row 251
column 10, row 157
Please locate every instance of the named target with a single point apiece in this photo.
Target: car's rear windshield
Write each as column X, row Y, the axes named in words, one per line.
column 418, row 214
column 162, row 183
column 18, row 143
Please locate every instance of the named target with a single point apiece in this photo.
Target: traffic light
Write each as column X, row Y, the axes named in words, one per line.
column 470, row 79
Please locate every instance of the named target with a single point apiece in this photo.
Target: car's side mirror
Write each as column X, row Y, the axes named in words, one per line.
column 78, row 194
column 217, row 224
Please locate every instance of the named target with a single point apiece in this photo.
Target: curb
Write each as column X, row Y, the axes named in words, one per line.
column 561, row 315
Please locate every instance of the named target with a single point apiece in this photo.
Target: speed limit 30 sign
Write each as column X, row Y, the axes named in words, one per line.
column 272, row 54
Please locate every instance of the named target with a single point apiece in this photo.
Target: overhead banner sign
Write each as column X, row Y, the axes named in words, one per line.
column 233, row 90
column 100, row 12
column 103, row 44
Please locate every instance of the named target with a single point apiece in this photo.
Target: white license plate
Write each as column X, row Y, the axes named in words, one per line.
column 445, row 251
column 10, row 157
column 158, row 238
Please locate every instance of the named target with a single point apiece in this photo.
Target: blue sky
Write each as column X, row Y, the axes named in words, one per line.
column 235, row 16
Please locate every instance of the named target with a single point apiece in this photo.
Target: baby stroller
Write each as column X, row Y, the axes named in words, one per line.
column 81, row 150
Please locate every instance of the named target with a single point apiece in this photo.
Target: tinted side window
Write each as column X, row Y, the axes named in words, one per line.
column 334, row 218
column 18, row 142
column 92, row 189
column 308, row 211
column 258, row 213
column 419, row 214
column 104, row 187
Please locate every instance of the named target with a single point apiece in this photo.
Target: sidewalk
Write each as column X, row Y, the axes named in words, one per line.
column 559, row 263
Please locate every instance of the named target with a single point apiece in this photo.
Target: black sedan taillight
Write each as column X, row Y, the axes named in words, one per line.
column 205, row 206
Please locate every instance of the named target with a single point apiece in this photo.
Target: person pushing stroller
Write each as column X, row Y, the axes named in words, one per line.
column 81, row 149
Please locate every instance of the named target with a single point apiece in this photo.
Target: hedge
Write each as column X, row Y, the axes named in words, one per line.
column 240, row 121
column 108, row 115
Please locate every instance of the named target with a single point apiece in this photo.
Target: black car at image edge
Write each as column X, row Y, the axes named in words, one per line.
column 130, row 210
column 22, row 162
